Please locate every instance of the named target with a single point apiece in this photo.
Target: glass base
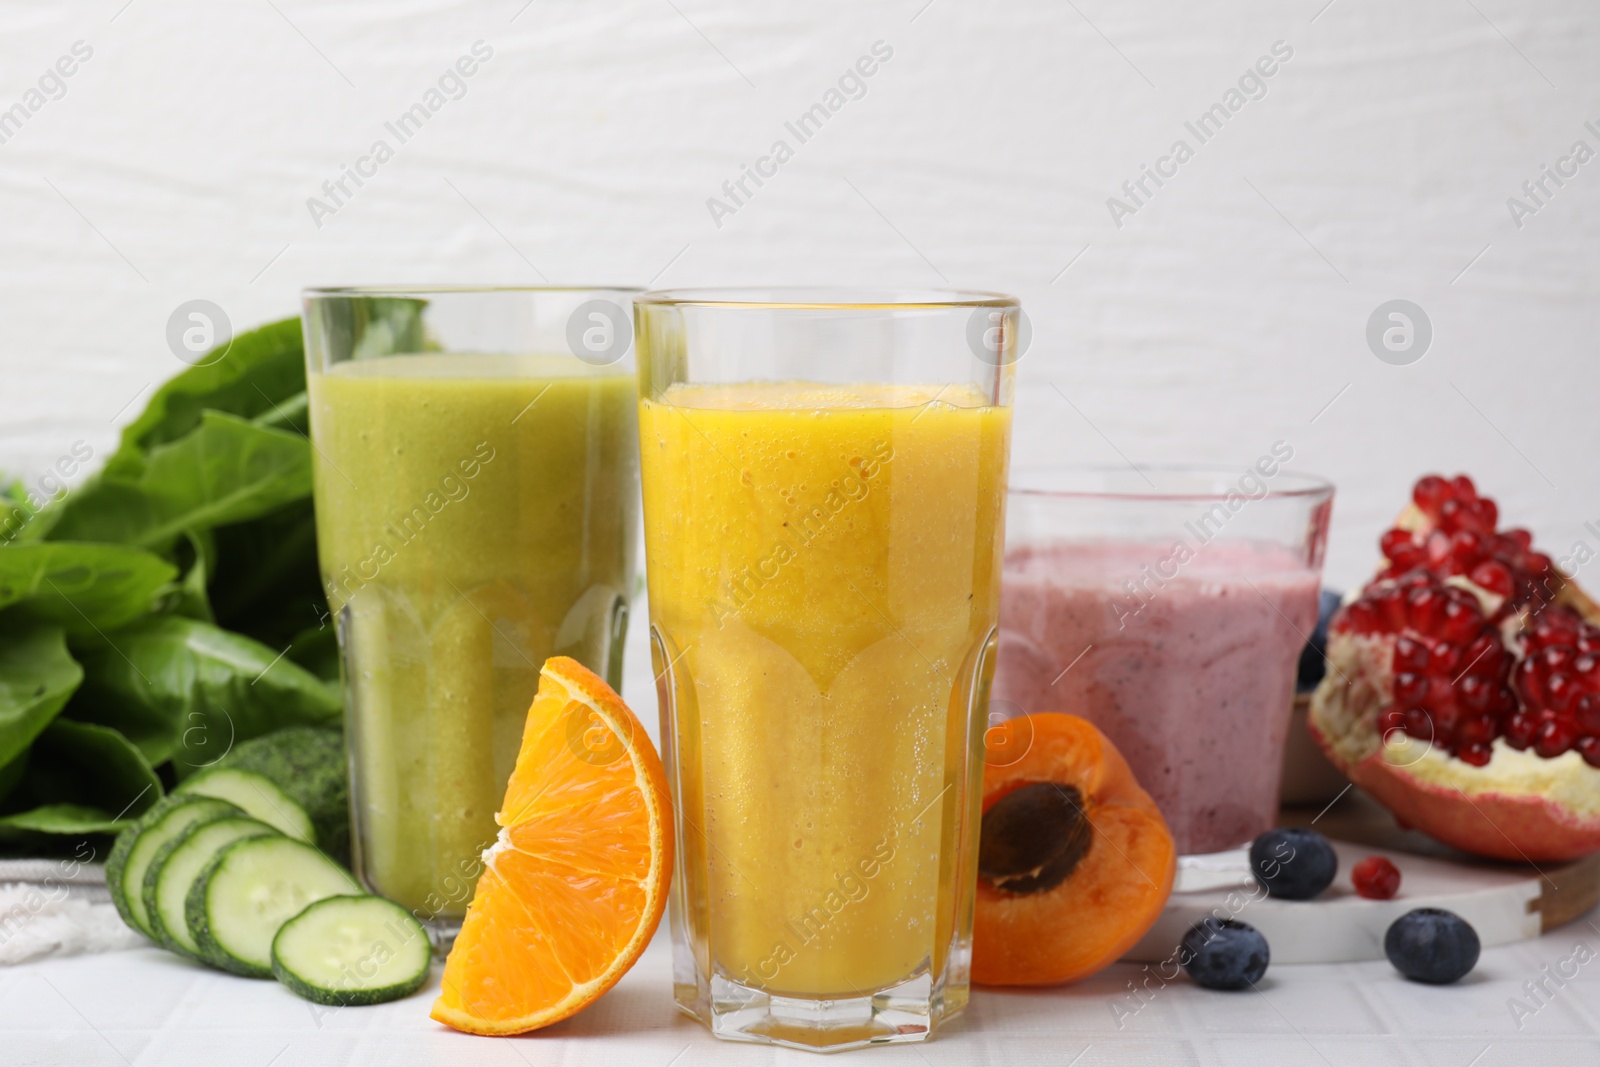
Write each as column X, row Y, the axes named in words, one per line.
column 907, row 1012
column 441, row 935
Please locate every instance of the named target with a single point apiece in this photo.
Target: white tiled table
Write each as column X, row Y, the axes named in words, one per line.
column 146, row 1007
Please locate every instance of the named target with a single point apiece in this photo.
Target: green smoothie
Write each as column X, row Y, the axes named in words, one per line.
column 475, row 515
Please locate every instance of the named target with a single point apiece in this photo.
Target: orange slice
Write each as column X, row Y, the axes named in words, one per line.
column 574, row 888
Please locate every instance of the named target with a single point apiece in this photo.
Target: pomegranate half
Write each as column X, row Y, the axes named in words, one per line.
column 1463, row 684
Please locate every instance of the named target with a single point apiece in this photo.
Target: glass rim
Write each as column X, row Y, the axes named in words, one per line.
column 1310, row 486
column 824, row 298
column 311, row 292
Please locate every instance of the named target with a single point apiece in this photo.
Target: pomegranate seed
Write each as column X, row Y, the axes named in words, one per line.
column 1480, row 515
column 1555, row 737
column 1450, row 516
column 1429, row 493
column 1589, row 749
column 1493, row 576
column 1589, row 639
column 1529, row 684
column 1462, row 619
column 1505, row 701
column 1556, row 658
column 1523, row 538
column 1477, row 731
column 1360, row 617
column 1486, row 656
column 1444, row 659
column 1560, row 693
column 1586, row 712
column 1419, row 724
column 1520, row 731
column 1425, row 608
column 1477, row 754
column 1410, row 690
column 1476, row 694
column 1410, row 655
column 1375, row 878
column 1391, row 607
column 1466, row 547
column 1396, row 541
column 1462, row 488
column 1586, row 669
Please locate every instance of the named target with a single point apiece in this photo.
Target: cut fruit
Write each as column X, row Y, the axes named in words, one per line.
column 1075, row 862
column 137, row 846
column 249, row 890
column 256, row 795
column 575, row 886
column 352, row 950
column 1464, row 686
column 177, row 865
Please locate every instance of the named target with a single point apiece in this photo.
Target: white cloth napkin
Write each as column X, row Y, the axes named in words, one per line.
column 57, row 908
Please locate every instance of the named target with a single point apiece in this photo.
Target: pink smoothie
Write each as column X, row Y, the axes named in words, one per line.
column 1190, row 671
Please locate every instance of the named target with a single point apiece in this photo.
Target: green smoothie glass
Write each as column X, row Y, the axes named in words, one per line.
column 477, row 486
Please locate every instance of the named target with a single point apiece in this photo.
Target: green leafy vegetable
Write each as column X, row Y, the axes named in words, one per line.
column 82, row 587
column 261, row 369
column 65, row 819
column 264, row 578
column 193, row 598
column 37, row 676
column 73, row 762
column 184, row 690
column 168, row 607
column 227, row 470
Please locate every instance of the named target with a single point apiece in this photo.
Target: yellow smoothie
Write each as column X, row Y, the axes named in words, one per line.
column 475, row 515
column 824, row 588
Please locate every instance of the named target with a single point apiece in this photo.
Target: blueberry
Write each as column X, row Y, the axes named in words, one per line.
column 1432, row 945
column 1312, row 664
column 1293, row 864
column 1224, row 954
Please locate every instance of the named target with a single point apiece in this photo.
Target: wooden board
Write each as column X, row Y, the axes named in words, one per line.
column 1504, row 902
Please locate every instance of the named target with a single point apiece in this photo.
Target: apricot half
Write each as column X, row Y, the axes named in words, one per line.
column 1074, row 860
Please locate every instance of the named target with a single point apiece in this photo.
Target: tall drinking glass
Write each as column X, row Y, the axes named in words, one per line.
column 1168, row 606
column 475, row 483
column 824, row 485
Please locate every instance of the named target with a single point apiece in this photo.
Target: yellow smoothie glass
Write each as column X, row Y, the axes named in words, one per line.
column 476, row 488
column 824, row 486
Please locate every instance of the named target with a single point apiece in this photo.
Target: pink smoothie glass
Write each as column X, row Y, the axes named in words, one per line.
column 1168, row 606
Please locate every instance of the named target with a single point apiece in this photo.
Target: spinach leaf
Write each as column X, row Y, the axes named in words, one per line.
column 11, row 774
column 81, row 763
column 317, row 650
column 188, row 598
column 185, row 690
column 36, row 678
column 260, row 369
column 81, row 586
column 62, row 819
column 265, row 581
column 226, row 470
column 291, row 414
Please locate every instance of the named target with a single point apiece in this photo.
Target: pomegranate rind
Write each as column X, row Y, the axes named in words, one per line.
column 1520, row 807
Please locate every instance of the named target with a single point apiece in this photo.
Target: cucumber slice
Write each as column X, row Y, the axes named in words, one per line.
column 137, row 846
column 174, row 869
column 352, row 950
column 257, row 796
column 248, row 890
